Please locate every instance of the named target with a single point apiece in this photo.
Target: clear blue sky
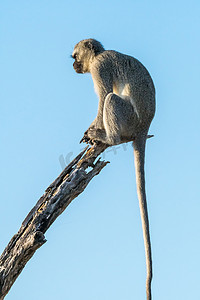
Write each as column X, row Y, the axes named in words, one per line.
column 95, row 248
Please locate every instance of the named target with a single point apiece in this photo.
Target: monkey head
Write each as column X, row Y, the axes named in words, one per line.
column 83, row 53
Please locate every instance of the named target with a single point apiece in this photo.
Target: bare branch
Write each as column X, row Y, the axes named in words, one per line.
column 69, row 184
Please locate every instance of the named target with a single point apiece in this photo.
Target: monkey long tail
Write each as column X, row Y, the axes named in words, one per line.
column 139, row 155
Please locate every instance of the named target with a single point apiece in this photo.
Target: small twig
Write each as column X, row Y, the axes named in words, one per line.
column 150, row 136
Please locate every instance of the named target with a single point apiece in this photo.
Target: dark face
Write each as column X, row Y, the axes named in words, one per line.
column 77, row 65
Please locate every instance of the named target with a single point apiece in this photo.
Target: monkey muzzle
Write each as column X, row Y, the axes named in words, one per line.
column 77, row 67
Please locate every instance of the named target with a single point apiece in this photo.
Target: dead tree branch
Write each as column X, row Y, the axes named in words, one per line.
column 69, row 184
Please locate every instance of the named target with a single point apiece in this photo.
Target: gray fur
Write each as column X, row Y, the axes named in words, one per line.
column 125, row 111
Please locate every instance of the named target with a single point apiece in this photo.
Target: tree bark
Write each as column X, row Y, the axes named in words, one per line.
column 70, row 183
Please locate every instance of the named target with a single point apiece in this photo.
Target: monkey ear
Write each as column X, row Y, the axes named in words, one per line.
column 92, row 47
column 89, row 45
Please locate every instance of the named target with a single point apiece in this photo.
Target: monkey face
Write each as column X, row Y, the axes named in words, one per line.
column 81, row 61
column 79, row 64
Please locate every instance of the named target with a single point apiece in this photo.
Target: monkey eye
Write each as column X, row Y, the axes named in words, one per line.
column 74, row 56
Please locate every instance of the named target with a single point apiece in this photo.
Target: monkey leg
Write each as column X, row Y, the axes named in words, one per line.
column 119, row 119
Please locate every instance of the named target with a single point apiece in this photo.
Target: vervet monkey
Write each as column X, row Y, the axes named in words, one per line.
column 125, row 111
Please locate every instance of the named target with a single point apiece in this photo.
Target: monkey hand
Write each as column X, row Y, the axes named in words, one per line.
column 85, row 138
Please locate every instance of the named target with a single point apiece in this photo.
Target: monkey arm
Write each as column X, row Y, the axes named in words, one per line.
column 103, row 85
